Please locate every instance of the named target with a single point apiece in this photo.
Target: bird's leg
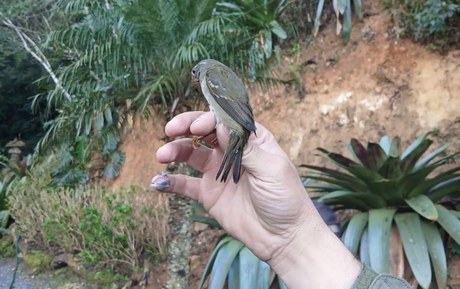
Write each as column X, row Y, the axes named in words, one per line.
column 198, row 141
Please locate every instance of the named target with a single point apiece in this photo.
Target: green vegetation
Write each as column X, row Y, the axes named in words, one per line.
column 108, row 62
column 433, row 22
column 109, row 229
column 342, row 9
column 390, row 186
column 7, row 247
column 233, row 264
column 37, row 261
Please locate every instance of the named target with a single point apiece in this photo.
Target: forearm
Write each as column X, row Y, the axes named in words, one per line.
column 316, row 258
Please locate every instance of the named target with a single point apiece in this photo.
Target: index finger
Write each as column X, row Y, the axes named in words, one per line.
column 191, row 123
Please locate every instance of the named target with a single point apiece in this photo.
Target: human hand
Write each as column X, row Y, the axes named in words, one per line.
column 268, row 204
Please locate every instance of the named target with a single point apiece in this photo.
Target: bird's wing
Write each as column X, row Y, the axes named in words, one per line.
column 231, row 96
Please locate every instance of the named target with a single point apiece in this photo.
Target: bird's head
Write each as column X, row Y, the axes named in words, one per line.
column 197, row 69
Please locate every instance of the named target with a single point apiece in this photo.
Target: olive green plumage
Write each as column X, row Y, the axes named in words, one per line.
column 228, row 100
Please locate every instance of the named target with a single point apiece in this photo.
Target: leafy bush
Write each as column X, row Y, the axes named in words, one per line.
column 109, row 61
column 389, row 185
column 433, row 18
column 257, row 21
column 114, row 229
column 427, row 21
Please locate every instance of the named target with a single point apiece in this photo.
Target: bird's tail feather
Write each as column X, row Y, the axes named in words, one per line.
column 232, row 158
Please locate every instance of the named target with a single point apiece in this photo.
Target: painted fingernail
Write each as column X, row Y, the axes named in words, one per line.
column 160, row 181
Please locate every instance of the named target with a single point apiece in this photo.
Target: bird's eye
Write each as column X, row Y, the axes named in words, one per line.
column 193, row 72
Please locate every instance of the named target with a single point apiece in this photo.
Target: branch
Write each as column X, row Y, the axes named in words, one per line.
column 35, row 51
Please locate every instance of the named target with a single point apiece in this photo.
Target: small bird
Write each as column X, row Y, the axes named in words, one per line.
column 228, row 100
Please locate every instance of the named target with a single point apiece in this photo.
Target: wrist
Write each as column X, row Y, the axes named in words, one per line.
column 315, row 258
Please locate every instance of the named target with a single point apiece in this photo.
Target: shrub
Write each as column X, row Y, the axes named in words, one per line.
column 427, row 21
column 109, row 228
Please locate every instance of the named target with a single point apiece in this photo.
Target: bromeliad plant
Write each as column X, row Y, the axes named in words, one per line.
column 389, row 186
column 233, row 264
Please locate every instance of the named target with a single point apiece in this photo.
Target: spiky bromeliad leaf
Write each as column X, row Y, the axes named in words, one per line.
column 428, row 186
column 220, row 262
column 415, row 246
column 248, row 271
column 319, row 11
column 233, row 278
column 348, row 184
column 358, row 151
column 380, row 221
column 207, row 269
column 354, row 231
column 353, row 183
column 420, row 174
column 424, row 206
column 358, row 8
column 263, row 279
column 346, row 23
column 423, row 162
column 390, row 169
column 437, row 252
column 376, row 156
column 276, row 28
column 449, row 222
column 408, row 161
column 362, row 200
column 364, row 250
column 338, row 159
column 445, row 189
column 363, row 174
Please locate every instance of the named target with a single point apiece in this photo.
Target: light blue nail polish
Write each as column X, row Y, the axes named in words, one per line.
column 160, row 181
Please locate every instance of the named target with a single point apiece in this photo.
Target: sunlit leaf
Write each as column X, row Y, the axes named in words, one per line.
column 364, row 250
column 423, row 162
column 354, row 231
column 437, row 252
column 380, row 221
column 415, row 247
column 263, row 279
column 449, row 222
column 278, row 30
column 249, row 267
column 222, row 263
column 211, row 260
column 424, row 206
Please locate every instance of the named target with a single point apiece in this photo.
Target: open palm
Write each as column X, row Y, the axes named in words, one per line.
column 262, row 210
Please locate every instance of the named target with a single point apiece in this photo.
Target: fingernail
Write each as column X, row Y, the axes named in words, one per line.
column 160, row 181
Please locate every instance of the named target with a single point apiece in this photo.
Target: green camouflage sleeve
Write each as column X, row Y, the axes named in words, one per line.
column 368, row 279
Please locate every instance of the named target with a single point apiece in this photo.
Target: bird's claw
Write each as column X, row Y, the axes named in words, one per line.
column 198, row 141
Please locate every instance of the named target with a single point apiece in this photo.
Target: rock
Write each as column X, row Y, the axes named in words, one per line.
column 60, row 261
column 199, row 227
